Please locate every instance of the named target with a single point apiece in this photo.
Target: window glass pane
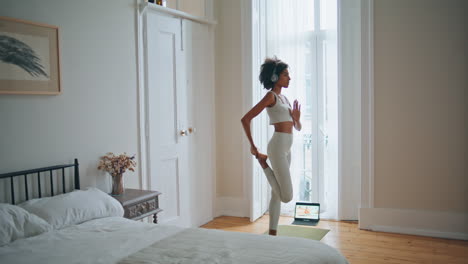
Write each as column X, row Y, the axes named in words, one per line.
column 309, row 7
column 328, row 14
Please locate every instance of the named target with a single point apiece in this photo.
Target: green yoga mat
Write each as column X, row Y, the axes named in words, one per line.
column 301, row 231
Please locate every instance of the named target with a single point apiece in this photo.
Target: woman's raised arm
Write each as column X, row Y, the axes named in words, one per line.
column 267, row 100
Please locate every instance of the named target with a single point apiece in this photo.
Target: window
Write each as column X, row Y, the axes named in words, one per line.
column 303, row 33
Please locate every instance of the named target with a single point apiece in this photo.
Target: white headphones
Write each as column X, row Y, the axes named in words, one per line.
column 274, row 76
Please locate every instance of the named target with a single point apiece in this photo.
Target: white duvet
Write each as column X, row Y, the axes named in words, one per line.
column 104, row 240
column 115, row 239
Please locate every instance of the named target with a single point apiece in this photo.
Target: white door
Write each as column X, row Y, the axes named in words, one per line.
column 166, row 112
column 198, row 42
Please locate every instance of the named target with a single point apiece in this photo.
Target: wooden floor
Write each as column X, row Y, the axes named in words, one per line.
column 362, row 246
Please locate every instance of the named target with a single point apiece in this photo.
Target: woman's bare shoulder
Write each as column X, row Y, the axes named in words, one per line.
column 269, row 98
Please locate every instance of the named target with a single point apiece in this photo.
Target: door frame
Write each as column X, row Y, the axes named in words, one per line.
column 367, row 104
column 247, row 61
column 251, row 59
column 141, row 103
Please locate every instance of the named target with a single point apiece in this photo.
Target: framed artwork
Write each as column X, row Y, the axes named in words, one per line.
column 29, row 57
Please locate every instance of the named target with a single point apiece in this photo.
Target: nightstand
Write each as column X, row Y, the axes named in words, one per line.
column 139, row 204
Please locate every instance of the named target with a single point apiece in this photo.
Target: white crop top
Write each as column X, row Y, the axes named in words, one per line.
column 280, row 111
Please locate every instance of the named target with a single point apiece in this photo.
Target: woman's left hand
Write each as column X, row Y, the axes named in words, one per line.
column 296, row 111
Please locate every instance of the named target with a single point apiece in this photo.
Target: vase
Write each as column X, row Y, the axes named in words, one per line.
column 161, row 2
column 117, row 185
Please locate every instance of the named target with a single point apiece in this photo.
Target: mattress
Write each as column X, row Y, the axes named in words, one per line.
column 118, row 240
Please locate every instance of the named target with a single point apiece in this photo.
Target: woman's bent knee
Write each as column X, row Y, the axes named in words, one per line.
column 286, row 197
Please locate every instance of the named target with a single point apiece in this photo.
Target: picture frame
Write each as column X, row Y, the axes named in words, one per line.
column 29, row 57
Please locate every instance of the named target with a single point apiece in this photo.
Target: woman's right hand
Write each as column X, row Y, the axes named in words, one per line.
column 254, row 151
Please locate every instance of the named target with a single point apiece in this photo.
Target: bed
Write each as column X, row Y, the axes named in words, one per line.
column 86, row 226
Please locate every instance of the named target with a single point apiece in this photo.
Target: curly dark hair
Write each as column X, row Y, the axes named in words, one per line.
column 266, row 71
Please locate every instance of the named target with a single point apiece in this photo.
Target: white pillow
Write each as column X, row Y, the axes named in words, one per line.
column 15, row 223
column 75, row 207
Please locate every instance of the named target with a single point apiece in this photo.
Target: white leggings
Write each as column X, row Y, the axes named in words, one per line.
column 279, row 177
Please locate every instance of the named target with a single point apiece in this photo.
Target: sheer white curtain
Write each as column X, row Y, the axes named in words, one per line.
column 286, row 33
column 302, row 33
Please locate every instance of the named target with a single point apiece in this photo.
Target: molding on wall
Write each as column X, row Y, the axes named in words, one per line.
column 247, row 80
column 405, row 221
column 415, row 222
column 231, row 206
column 176, row 13
column 141, row 69
column 213, row 128
column 367, row 104
column 349, row 117
column 340, row 112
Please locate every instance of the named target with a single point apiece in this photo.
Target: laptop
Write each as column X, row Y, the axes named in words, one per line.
column 306, row 213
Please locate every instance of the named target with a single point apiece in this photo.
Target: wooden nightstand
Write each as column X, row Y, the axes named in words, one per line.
column 139, row 204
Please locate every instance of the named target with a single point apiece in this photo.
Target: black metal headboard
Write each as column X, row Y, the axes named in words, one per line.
column 38, row 171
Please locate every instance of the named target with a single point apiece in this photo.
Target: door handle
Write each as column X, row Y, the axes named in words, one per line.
column 183, row 133
column 191, row 130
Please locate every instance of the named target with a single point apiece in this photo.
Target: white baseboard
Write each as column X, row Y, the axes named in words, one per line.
column 231, row 206
column 415, row 222
column 202, row 221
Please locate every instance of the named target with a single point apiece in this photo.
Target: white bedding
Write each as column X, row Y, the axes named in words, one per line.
column 104, row 240
column 204, row 246
column 114, row 239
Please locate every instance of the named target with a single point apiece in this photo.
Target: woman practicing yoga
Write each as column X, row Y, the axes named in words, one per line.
column 274, row 76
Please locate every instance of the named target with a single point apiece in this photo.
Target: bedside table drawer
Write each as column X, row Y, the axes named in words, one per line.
column 141, row 208
column 138, row 204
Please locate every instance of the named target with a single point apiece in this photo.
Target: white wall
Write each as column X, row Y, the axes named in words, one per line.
column 231, row 198
column 421, row 125
column 97, row 111
column 421, row 105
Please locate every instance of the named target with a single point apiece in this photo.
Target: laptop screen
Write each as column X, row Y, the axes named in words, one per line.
column 307, row 211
